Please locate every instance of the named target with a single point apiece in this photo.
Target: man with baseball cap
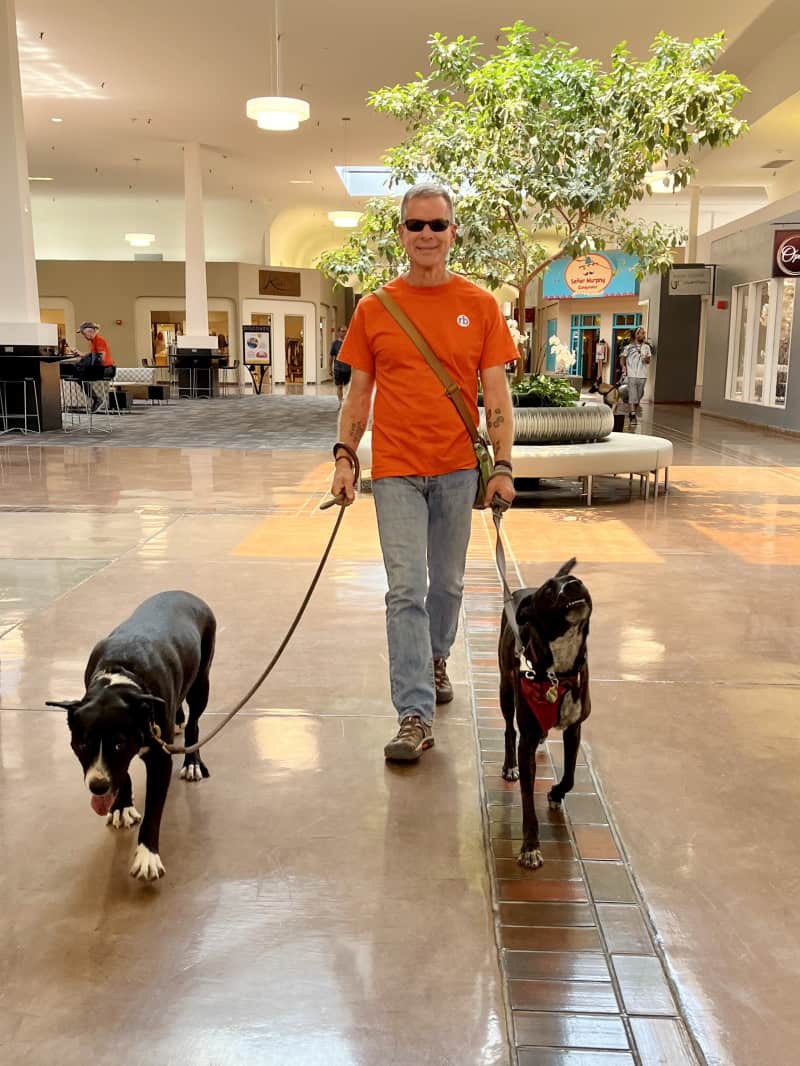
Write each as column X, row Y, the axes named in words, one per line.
column 94, row 365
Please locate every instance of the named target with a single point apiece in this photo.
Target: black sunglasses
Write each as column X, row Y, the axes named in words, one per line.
column 437, row 225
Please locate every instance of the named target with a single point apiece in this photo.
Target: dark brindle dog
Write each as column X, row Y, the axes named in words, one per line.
column 546, row 687
column 613, row 396
column 136, row 681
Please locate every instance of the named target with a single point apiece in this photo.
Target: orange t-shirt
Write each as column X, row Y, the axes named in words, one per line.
column 416, row 430
column 100, row 344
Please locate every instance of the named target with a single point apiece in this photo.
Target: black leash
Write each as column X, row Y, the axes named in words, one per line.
column 172, row 749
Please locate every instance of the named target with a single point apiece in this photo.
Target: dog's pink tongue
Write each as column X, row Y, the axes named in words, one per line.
column 102, row 804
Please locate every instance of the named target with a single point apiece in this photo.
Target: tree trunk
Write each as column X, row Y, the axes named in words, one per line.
column 520, row 371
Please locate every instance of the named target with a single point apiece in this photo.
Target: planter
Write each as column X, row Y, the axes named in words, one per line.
column 561, row 425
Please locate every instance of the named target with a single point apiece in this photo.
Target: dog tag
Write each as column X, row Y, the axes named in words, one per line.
column 552, row 693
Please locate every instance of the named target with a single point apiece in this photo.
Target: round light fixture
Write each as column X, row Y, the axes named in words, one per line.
column 277, row 112
column 660, row 181
column 56, row 119
column 140, row 240
column 345, row 219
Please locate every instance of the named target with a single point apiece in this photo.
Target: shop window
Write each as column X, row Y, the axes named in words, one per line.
column 762, row 314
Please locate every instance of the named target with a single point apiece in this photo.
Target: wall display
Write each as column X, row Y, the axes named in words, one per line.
column 257, row 345
column 590, row 276
column 786, row 254
column 279, row 283
column 689, row 279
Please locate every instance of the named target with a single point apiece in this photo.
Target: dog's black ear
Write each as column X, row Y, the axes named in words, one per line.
column 153, row 707
column 567, row 567
column 68, row 705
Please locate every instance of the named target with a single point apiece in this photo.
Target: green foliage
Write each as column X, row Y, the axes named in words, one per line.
column 545, row 151
column 550, row 391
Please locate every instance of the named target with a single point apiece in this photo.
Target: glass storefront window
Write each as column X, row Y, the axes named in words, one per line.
column 784, row 342
column 760, row 340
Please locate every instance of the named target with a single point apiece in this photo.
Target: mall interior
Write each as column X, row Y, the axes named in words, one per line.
column 320, row 904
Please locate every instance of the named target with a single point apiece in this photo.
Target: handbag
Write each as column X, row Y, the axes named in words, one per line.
column 480, row 444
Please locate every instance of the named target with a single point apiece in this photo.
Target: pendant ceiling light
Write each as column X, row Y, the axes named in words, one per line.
column 140, row 240
column 277, row 112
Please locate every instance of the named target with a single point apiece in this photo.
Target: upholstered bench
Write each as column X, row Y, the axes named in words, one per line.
column 141, row 383
column 619, row 453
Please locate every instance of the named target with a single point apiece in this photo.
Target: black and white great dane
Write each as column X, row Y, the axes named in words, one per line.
column 136, row 680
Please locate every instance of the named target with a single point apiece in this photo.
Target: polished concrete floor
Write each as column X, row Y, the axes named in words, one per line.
column 320, row 907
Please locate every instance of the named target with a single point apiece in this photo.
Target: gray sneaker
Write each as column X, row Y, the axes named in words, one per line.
column 413, row 737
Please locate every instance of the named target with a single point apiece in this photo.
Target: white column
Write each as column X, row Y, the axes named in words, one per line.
column 19, row 290
column 694, row 217
column 196, row 291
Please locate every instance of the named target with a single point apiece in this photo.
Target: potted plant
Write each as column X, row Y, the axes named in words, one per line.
column 542, row 390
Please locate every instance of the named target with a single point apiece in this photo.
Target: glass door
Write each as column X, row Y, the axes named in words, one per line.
column 293, row 340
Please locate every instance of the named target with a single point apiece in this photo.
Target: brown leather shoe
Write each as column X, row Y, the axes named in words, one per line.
column 444, row 690
column 413, row 737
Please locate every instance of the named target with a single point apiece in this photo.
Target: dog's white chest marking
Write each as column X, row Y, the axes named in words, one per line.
column 565, row 650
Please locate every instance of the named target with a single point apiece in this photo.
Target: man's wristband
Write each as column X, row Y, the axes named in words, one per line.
column 505, row 464
column 349, row 454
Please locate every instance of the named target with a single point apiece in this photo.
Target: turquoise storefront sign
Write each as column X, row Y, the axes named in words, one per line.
column 590, row 276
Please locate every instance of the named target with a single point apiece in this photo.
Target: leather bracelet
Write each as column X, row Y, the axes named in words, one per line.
column 504, row 463
column 502, row 473
column 349, row 453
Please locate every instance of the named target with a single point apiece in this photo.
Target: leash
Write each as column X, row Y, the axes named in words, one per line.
column 172, row 749
column 499, row 507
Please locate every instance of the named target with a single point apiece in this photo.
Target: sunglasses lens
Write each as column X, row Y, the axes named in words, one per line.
column 417, row 225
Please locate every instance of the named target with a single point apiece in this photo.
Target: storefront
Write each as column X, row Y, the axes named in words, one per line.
column 584, row 301
column 753, row 332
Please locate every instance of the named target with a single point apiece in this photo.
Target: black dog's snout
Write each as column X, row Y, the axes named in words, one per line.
column 99, row 786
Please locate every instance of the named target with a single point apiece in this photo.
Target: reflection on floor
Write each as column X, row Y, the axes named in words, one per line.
column 321, row 907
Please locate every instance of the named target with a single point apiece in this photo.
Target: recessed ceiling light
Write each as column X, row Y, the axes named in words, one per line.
column 300, row 181
column 56, row 119
column 40, row 179
column 345, row 219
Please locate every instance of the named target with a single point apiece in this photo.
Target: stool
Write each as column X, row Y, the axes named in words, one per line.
column 6, row 416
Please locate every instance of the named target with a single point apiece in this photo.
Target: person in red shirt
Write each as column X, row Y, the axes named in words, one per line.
column 94, row 364
column 424, row 475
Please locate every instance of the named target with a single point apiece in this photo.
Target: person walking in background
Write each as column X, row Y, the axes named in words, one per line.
column 424, row 475
column 340, row 371
column 635, row 362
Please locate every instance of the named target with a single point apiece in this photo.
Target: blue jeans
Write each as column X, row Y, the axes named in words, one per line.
column 424, row 526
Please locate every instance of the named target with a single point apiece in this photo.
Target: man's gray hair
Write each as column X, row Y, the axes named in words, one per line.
column 424, row 191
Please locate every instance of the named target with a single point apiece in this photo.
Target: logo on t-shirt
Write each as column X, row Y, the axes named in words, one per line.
column 462, row 320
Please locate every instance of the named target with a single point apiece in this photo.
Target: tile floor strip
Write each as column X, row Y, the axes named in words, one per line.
column 584, row 983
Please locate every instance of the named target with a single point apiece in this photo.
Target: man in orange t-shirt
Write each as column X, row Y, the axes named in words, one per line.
column 88, row 366
column 424, row 474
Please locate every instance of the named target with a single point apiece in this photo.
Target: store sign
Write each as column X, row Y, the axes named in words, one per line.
column 786, row 254
column 596, row 274
column 691, row 280
column 257, row 345
column 278, row 283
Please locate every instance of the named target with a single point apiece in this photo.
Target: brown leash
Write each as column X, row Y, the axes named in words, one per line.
column 172, row 749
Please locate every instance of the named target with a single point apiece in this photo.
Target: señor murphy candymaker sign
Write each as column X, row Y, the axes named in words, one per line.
column 786, row 254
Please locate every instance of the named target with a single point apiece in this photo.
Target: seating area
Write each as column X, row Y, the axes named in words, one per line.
column 619, row 453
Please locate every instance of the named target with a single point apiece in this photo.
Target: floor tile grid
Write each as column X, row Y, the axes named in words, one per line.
column 482, row 605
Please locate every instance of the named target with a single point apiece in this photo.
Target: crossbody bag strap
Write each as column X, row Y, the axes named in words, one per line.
column 451, row 389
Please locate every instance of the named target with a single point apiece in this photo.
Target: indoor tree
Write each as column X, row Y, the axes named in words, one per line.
column 545, row 152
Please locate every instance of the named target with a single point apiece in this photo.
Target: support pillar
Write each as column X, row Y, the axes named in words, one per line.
column 196, row 337
column 20, row 326
column 694, row 217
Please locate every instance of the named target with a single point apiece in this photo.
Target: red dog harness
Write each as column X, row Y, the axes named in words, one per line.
column 544, row 698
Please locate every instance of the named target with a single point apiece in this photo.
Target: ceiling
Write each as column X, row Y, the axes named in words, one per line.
column 132, row 82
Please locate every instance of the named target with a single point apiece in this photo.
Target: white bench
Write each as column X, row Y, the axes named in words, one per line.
column 619, row 453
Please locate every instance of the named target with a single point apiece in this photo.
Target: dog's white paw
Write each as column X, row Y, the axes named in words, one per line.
column 123, row 819
column 512, row 774
column 531, row 860
column 192, row 772
column 553, row 802
column 147, row 865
